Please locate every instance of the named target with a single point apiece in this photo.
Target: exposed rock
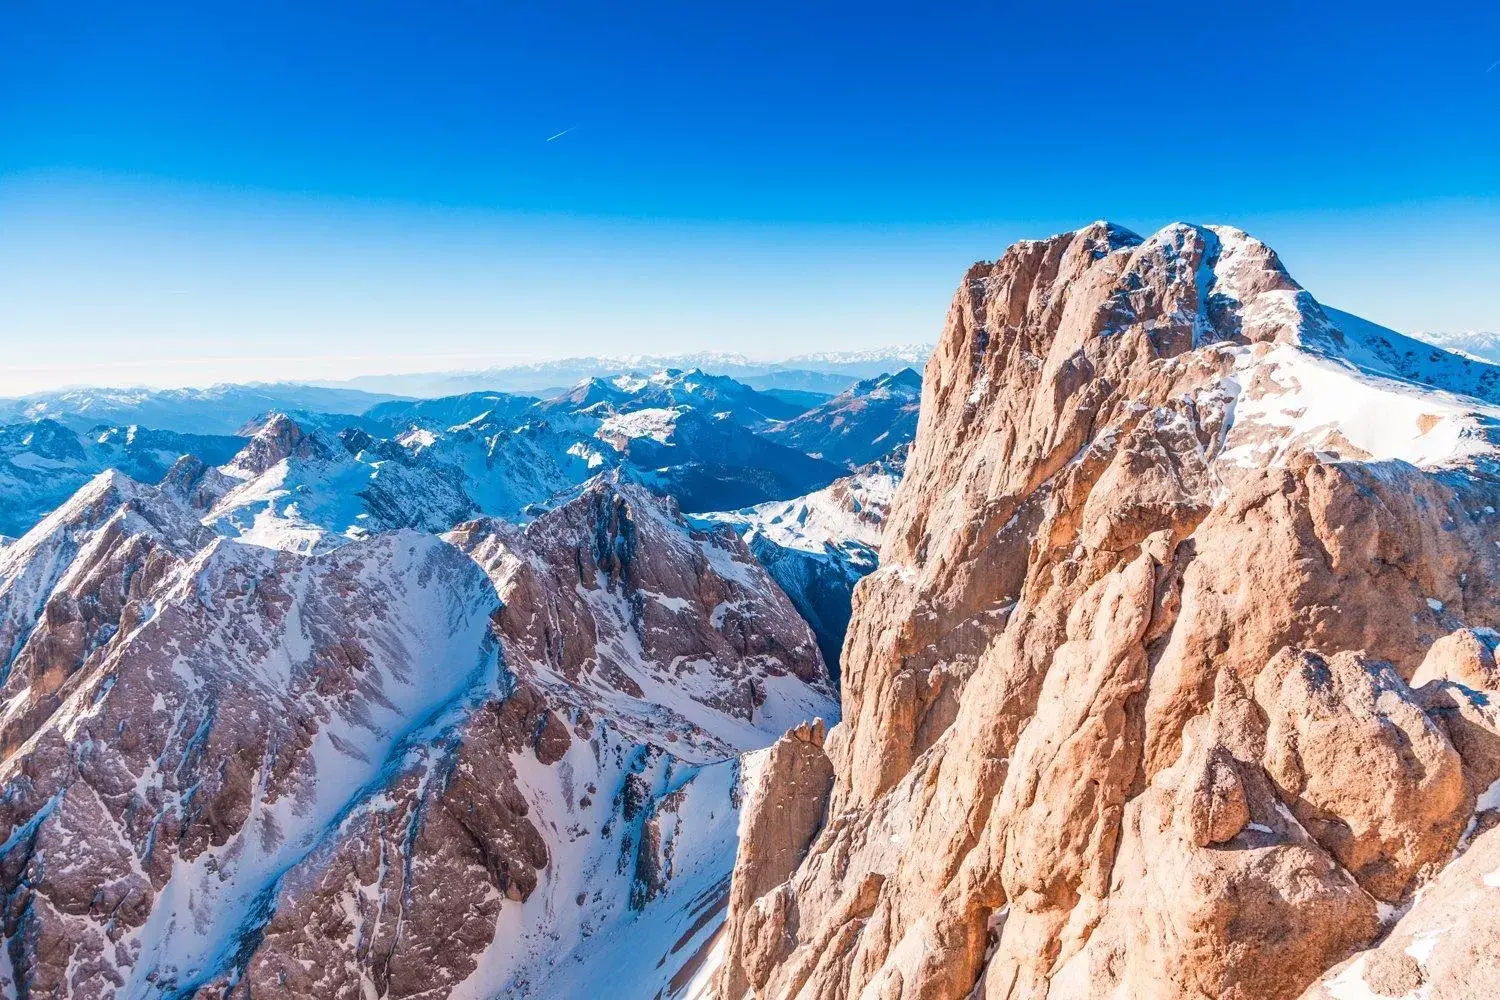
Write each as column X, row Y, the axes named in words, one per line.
column 783, row 812
column 1128, row 704
column 1463, row 657
column 233, row 770
column 1446, row 946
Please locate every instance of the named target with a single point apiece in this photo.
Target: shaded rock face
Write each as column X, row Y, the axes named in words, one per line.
column 870, row 419
column 1160, row 689
column 818, row 546
column 410, row 766
column 43, row 462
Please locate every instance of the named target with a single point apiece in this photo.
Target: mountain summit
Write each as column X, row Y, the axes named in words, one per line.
column 1172, row 680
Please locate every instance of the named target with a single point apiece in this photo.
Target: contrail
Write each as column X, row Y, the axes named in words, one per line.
column 561, row 134
column 1492, row 66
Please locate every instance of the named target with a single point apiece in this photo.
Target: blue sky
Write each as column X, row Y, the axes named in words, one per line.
column 191, row 192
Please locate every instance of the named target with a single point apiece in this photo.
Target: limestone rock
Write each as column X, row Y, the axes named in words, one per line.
column 1136, row 705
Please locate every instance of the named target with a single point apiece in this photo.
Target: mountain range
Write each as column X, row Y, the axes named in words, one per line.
column 829, row 372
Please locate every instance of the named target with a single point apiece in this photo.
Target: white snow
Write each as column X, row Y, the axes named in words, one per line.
column 851, row 510
column 656, row 423
column 1350, row 985
column 1296, row 400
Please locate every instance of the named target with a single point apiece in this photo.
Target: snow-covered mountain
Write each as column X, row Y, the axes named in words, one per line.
column 500, row 761
column 1481, row 344
column 865, row 362
column 869, row 419
column 715, row 396
column 42, row 462
column 449, row 411
column 682, row 434
column 818, row 546
column 306, row 491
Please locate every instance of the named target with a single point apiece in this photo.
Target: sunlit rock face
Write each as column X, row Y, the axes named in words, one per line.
column 1172, row 680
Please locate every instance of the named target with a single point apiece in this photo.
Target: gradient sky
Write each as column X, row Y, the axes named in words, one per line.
column 192, row 192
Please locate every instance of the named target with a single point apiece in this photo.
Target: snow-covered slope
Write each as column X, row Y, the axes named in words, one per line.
column 301, row 490
column 500, row 762
column 42, row 462
column 819, row 546
column 869, row 419
column 450, row 411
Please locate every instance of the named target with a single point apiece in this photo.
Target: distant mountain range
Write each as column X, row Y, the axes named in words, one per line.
column 827, row 372
column 1481, row 344
column 860, row 424
column 308, row 468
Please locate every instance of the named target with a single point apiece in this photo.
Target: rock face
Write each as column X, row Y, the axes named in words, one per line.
column 501, row 761
column 1170, row 682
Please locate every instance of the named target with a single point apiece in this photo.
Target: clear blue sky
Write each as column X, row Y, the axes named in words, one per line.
column 193, row 191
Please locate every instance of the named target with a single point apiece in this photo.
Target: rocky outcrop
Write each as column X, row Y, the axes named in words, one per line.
column 783, row 812
column 1159, row 690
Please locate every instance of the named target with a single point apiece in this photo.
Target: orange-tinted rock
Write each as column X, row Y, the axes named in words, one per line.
column 1128, row 707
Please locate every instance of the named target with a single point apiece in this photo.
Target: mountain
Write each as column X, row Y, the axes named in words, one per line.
column 865, row 363
column 684, row 434
column 818, row 546
column 220, row 409
column 499, row 761
column 710, row 395
column 306, row 491
column 679, row 433
column 1177, row 675
column 710, row 463
column 42, row 462
column 860, row 424
column 830, row 372
column 449, row 411
column 1479, row 344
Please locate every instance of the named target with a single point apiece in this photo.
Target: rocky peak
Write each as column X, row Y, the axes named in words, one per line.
column 1084, row 753
column 278, row 438
column 906, row 379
